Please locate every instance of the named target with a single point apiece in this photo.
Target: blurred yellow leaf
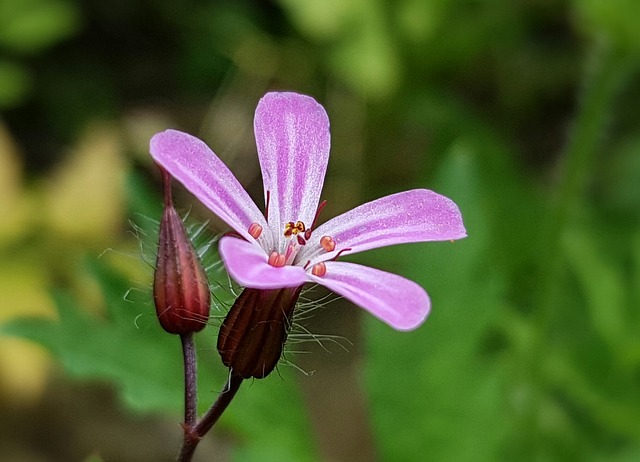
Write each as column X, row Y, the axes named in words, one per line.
column 84, row 199
column 24, row 370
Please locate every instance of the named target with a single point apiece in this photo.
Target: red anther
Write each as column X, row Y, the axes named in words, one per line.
column 255, row 230
column 319, row 269
column 301, row 240
column 327, row 243
column 300, row 227
column 307, row 234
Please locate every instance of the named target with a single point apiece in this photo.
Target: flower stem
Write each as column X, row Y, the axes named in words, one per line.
column 224, row 398
column 190, row 386
column 193, row 433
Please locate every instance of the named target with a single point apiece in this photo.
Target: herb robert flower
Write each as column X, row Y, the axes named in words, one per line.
column 275, row 254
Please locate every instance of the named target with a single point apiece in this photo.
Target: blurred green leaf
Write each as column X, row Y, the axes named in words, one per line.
column 117, row 347
column 615, row 19
column 15, row 82
column 453, row 385
column 29, row 26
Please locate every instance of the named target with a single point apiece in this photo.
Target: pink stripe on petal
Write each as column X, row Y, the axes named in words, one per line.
column 247, row 264
column 292, row 135
column 417, row 215
column 397, row 301
column 192, row 163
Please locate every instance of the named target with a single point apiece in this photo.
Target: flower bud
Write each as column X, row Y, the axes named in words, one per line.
column 255, row 330
column 180, row 286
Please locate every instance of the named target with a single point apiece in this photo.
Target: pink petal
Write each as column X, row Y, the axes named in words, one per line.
column 247, row 264
column 292, row 134
column 411, row 216
column 397, row 301
column 193, row 164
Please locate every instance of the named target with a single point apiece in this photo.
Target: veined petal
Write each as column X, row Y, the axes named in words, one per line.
column 397, row 301
column 417, row 215
column 247, row 265
column 292, row 135
column 192, row 163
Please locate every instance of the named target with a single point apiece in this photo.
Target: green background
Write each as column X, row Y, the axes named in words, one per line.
column 525, row 113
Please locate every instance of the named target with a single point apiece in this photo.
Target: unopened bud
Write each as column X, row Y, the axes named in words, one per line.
column 180, row 286
column 255, row 330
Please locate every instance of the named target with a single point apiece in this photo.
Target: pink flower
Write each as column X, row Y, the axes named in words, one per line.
column 285, row 247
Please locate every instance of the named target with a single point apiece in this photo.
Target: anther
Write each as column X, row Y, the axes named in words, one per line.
column 276, row 259
column 301, row 240
column 289, row 229
column 255, row 230
column 327, row 243
column 319, row 269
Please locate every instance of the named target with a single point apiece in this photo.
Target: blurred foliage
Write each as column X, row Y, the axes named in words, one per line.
column 524, row 113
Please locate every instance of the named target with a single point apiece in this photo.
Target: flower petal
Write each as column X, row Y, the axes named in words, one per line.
column 247, row 264
column 292, row 135
column 397, row 301
column 192, row 163
column 411, row 216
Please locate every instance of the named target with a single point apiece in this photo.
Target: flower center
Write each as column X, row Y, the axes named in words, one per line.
column 297, row 235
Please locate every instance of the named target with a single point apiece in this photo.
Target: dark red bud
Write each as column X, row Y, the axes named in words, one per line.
column 180, row 286
column 255, row 330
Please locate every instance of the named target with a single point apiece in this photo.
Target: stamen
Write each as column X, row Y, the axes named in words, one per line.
column 255, row 230
column 292, row 229
column 301, row 240
column 266, row 207
column 319, row 269
column 307, row 234
column 340, row 253
column 327, row 243
column 288, row 229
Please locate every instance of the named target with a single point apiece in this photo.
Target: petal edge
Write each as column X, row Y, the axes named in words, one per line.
column 395, row 300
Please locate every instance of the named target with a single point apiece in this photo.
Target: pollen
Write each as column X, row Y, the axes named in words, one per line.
column 327, row 243
column 255, row 230
column 319, row 269
column 292, row 229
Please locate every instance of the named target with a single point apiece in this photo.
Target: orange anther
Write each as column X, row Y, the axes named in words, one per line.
column 327, row 243
column 276, row 259
column 319, row 269
column 255, row 230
